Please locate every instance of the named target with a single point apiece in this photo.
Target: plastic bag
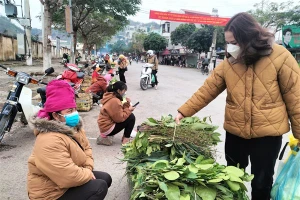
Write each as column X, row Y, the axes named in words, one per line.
column 287, row 184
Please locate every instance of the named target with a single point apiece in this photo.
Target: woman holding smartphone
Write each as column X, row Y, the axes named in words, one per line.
column 114, row 115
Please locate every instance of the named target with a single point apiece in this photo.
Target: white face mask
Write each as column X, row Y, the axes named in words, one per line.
column 234, row 50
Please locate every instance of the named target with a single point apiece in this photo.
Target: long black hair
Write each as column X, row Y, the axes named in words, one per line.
column 119, row 85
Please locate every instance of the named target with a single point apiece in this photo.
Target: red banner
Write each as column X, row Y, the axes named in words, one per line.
column 196, row 19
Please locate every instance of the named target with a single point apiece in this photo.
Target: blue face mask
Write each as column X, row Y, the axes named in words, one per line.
column 72, row 119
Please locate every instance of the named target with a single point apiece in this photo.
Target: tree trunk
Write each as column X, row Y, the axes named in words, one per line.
column 74, row 42
column 47, row 32
column 84, row 46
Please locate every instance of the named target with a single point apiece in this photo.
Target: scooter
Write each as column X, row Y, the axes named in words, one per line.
column 74, row 76
column 19, row 99
column 147, row 78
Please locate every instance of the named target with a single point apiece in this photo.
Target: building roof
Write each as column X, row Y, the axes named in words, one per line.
column 192, row 12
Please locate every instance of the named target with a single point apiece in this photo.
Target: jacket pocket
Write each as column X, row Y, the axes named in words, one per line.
column 271, row 105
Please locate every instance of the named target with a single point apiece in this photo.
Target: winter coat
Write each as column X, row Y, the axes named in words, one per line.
column 123, row 64
column 57, row 161
column 112, row 112
column 261, row 98
column 99, row 86
column 153, row 60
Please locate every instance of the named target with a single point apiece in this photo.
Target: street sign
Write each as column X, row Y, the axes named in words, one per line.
column 68, row 19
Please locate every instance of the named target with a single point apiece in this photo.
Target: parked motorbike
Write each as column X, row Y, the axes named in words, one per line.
column 73, row 74
column 147, row 78
column 19, row 99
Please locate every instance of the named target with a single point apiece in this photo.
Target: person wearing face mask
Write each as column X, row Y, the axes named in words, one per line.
column 114, row 115
column 61, row 165
column 262, row 81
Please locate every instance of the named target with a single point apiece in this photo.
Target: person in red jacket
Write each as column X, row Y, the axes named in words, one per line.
column 98, row 87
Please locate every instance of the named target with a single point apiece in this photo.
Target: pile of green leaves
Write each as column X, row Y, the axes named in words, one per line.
column 163, row 164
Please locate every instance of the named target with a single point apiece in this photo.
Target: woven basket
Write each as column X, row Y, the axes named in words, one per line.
column 84, row 102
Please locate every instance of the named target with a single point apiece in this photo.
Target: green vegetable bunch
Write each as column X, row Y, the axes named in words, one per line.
column 172, row 162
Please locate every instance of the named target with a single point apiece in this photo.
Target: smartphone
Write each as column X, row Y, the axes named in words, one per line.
column 136, row 104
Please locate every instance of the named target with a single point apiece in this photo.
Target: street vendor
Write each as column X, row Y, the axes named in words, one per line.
column 262, row 81
column 123, row 63
column 61, row 165
column 114, row 115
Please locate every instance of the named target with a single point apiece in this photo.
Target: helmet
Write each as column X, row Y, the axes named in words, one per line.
column 121, row 56
column 150, row 52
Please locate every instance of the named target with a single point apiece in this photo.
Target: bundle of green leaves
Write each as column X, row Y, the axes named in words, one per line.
column 166, row 161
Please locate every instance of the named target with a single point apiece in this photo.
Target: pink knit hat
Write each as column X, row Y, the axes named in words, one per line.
column 59, row 96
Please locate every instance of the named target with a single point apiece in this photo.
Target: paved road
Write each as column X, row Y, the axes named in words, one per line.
column 176, row 85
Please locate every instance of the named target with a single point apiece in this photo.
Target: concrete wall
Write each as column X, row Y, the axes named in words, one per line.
column 9, row 49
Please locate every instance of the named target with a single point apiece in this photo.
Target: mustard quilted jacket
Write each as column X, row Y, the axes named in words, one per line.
column 261, row 98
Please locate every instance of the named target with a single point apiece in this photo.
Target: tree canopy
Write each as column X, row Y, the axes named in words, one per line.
column 182, row 33
column 155, row 42
column 274, row 15
column 201, row 39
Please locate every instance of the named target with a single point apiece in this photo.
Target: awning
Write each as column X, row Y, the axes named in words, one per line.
column 166, row 52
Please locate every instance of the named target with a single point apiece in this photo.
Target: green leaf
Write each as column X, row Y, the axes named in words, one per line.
column 142, row 194
column 152, row 120
column 173, row 151
column 168, row 145
column 199, row 159
column 217, row 180
column 185, row 197
column 207, row 161
column 233, row 186
column 187, row 120
column 248, row 178
column 234, row 170
column 192, row 175
column 199, row 126
column 170, row 125
column 141, row 134
column 206, row 193
column 149, row 150
column 204, row 166
column 138, row 144
column 163, row 186
column 171, row 176
column 150, row 123
column 173, row 192
column 180, row 162
column 193, row 168
column 183, row 185
column 160, row 164
column 235, row 178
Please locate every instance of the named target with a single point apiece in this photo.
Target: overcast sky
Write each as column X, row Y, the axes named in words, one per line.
column 226, row 8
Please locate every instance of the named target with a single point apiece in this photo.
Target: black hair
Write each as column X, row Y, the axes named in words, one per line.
column 286, row 30
column 119, row 85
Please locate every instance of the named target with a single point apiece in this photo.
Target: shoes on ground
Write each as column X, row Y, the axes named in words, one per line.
column 108, row 141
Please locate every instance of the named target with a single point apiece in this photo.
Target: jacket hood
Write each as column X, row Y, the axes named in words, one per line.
column 107, row 96
column 42, row 125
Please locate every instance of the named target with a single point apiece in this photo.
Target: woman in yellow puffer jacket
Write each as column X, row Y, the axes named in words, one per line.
column 262, row 81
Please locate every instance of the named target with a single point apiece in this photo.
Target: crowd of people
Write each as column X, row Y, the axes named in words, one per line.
column 262, row 83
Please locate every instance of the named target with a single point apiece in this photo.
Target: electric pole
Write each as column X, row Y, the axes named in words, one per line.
column 28, row 32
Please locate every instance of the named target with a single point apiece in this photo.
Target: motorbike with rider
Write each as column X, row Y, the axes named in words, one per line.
column 152, row 59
